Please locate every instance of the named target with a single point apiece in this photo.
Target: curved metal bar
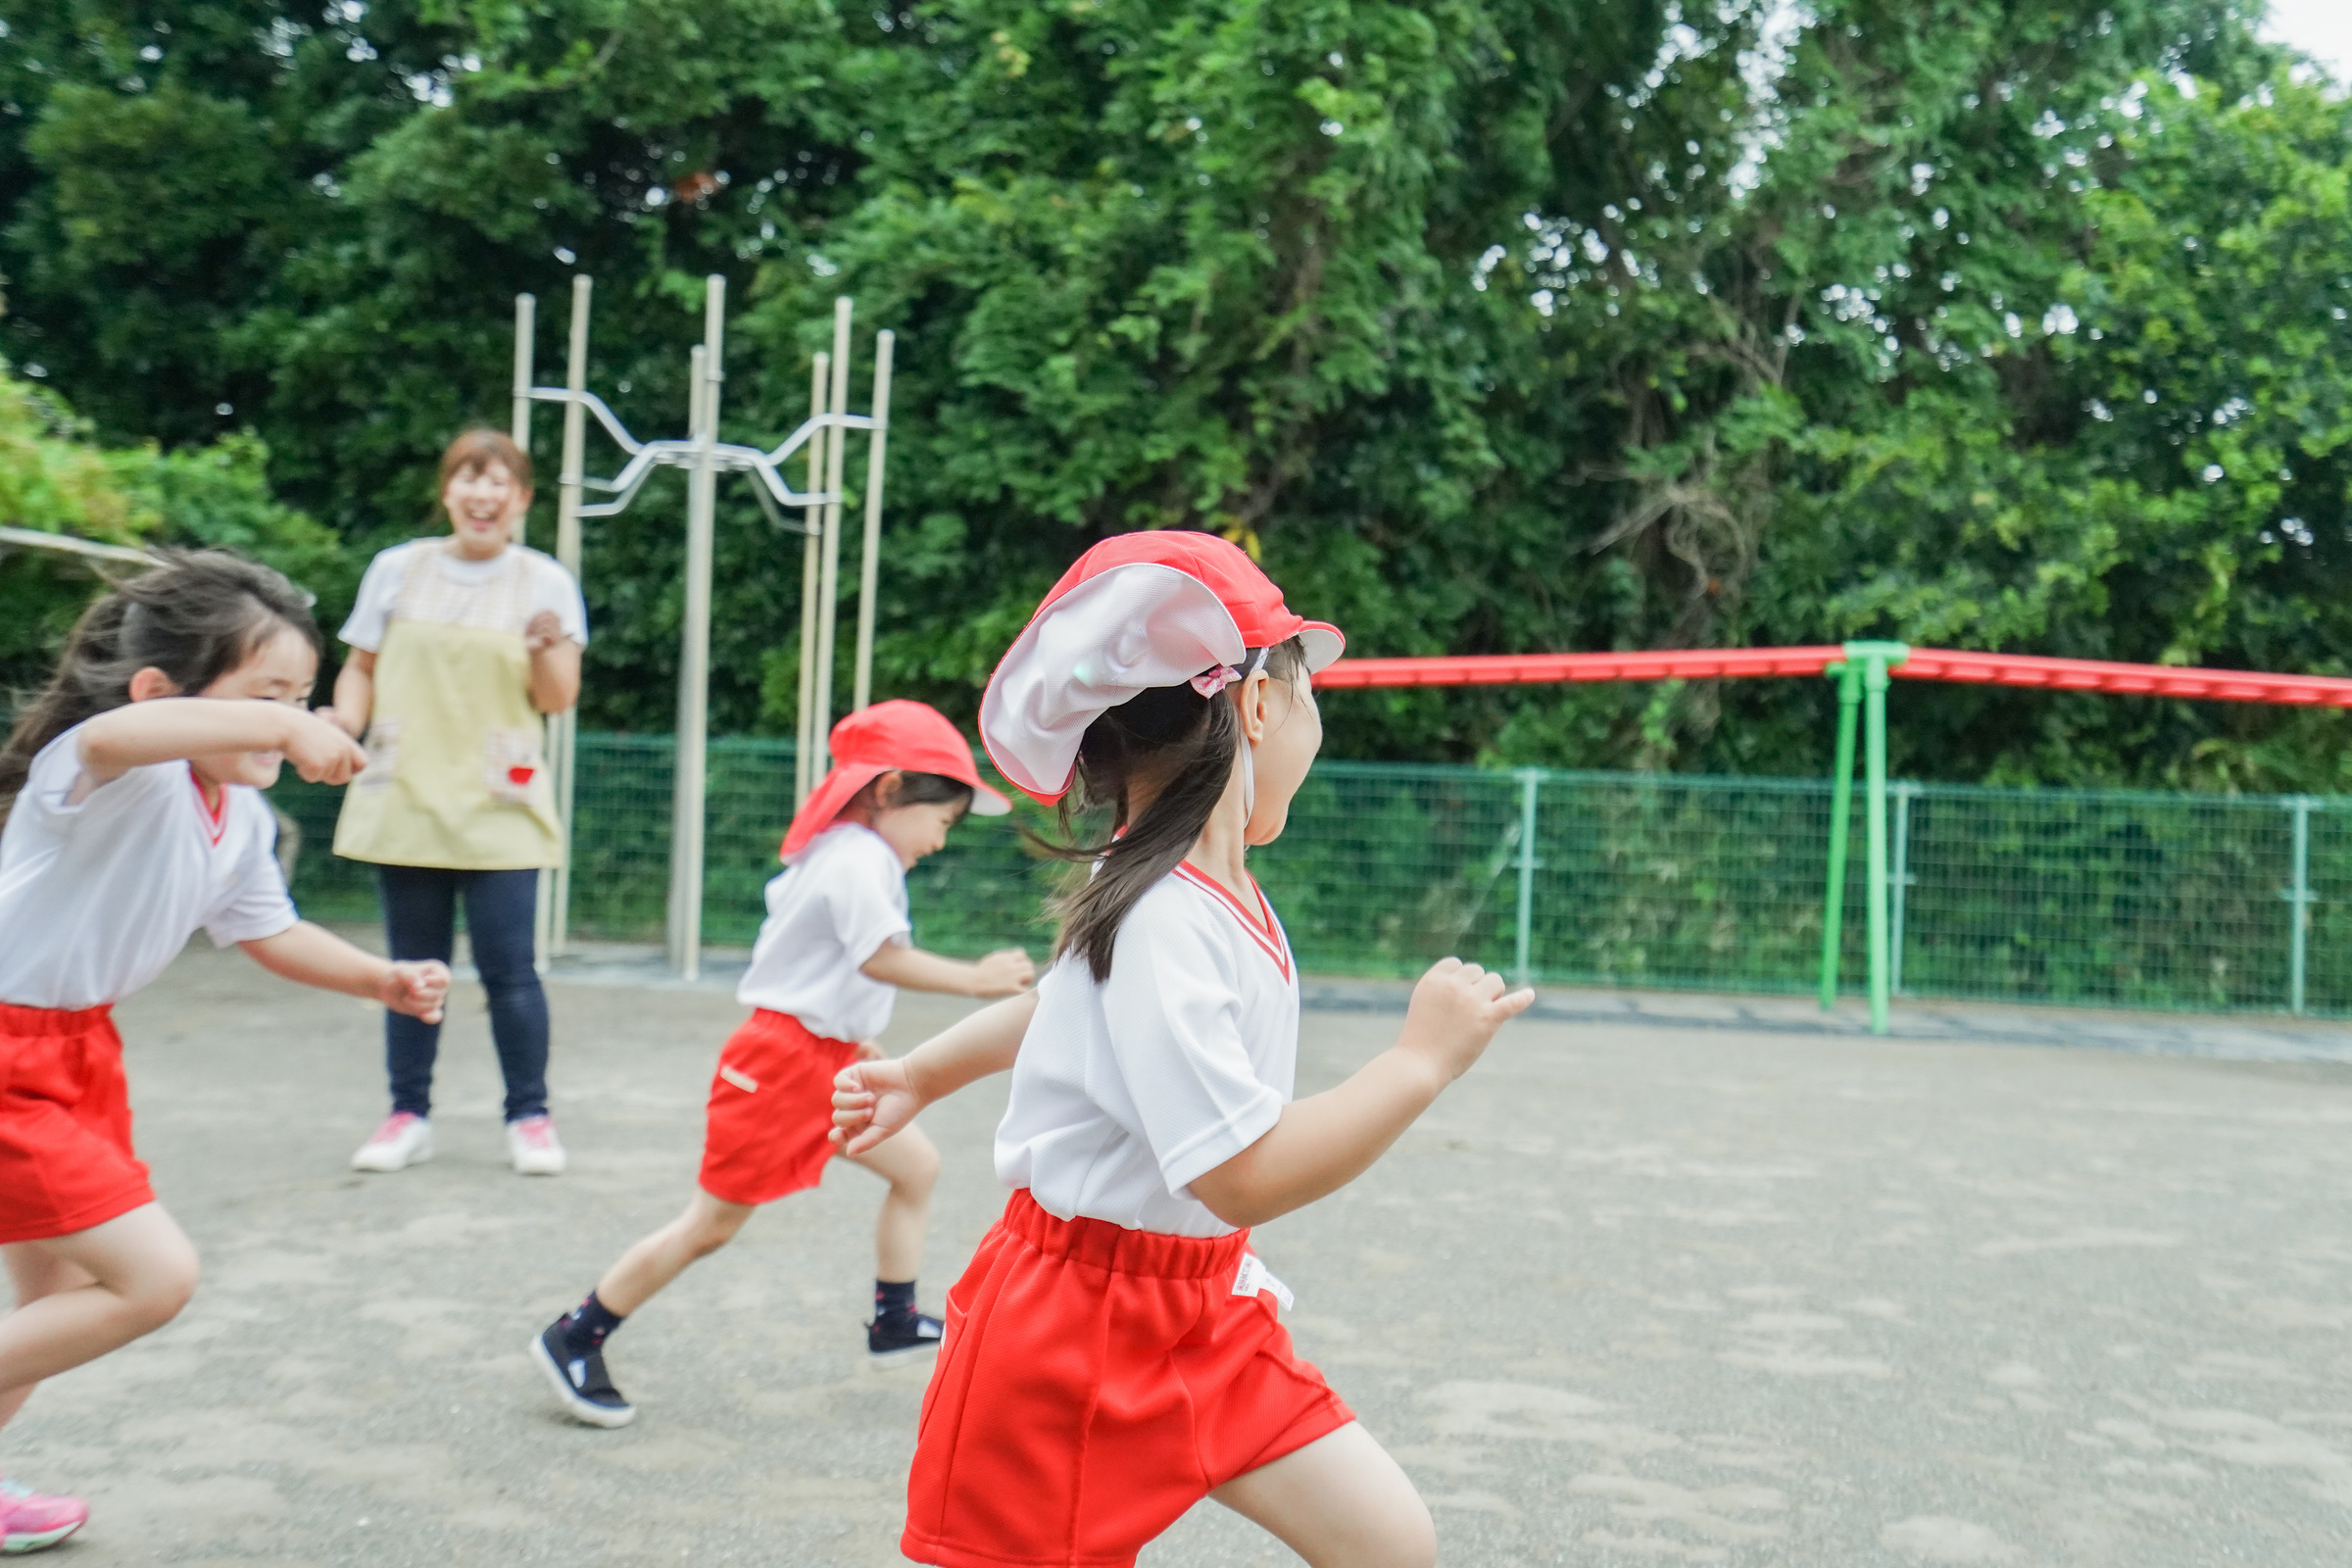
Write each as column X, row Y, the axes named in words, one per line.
column 593, row 404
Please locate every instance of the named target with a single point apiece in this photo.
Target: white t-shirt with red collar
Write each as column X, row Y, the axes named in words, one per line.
column 97, row 897
column 1127, row 1090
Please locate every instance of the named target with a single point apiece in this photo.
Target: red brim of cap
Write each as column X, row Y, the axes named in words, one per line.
column 837, row 787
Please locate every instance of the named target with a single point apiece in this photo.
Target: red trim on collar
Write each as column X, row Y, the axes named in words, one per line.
column 1260, row 925
column 215, row 818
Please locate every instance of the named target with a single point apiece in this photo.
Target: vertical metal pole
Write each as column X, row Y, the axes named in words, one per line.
column 1873, row 685
column 803, row 757
column 519, row 427
column 2299, row 902
column 1899, row 892
column 1529, row 780
column 1842, row 810
column 525, row 325
column 564, row 731
column 869, row 565
column 693, row 659
column 828, row 587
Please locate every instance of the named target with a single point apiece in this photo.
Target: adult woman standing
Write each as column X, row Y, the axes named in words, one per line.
column 460, row 645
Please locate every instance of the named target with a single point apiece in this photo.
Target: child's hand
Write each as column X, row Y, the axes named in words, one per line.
column 542, row 631
column 871, row 1101
column 1003, row 973
column 321, row 750
column 870, row 1051
column 1456, row 1010
column 415, row 989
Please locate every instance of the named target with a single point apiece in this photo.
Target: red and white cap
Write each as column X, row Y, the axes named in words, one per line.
column 1140, row 611
column 897, row 735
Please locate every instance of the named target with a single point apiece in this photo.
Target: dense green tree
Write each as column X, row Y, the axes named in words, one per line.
column 1490, row 323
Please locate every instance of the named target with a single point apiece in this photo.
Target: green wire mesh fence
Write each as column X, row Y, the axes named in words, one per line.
column 2096, row 898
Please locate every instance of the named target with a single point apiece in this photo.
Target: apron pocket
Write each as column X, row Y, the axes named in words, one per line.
column 513, row 765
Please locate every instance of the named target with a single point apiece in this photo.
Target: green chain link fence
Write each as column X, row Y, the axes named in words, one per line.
column 2096, row 898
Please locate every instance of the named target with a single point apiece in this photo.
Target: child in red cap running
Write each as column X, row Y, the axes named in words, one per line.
column 1113, row 1353
column 834, row 947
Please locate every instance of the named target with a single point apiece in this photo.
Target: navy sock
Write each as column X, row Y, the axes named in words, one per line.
column 587, row 1324
column 893, row 1300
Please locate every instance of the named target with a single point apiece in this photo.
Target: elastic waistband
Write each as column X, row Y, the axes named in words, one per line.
column 1153, row 1255
column 770, row 1018
column 31, row 1022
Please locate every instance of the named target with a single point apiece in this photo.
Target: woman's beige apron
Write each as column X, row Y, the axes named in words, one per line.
column 457, row 772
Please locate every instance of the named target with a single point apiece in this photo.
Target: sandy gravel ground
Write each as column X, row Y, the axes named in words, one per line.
column 1636, row 1292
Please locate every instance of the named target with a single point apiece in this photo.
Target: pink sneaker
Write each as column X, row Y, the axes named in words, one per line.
column 30, row 1522
column 534, row 1149
column 404, row 1140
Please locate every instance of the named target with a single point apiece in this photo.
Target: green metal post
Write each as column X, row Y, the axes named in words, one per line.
column 1904, row 792
column 1529, row 780
column 1874, row 690
column 1842, row 812
column 2298, row 898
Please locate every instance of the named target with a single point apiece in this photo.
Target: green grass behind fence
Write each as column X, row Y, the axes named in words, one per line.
column 2108, row 898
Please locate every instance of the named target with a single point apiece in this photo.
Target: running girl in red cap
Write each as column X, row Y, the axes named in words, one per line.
column 1113, row 1353
column 131, row 792
column 834, row 947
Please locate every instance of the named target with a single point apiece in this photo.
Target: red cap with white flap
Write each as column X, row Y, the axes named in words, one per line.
column 894, row 736
column 1136, row 612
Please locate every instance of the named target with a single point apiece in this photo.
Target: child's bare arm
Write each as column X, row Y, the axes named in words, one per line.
column 1324, row 1141
column 999, row 974
column 310, row 956
column 167, row 729
column 872, row 1099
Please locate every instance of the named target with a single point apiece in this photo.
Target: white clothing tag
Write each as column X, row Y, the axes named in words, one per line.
column 741, row 1080
column 1254, row 1277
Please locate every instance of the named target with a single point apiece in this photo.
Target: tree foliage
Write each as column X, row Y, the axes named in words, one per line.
column 1491, row 325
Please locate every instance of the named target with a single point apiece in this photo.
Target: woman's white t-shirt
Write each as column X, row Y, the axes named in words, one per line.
column 1127, row 1090
column 842, row 898
column 97, row 898
column 551, row 587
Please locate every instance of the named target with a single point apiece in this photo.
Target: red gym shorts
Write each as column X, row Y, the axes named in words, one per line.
column 770, row 1125
column 1096, row 1383
column 66, row 1161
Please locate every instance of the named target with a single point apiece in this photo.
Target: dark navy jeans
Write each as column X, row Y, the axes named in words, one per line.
column 420, row 906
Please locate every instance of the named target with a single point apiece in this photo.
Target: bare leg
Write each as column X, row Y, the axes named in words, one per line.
column 83, row 1294
column 1340, row 1500
column 708, row 1225
column 911, row 1164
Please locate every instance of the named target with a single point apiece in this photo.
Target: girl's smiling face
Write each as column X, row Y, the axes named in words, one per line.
column 282, row 668
column 484, row 502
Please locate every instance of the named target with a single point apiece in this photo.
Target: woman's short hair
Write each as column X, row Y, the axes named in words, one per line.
column 478, row 448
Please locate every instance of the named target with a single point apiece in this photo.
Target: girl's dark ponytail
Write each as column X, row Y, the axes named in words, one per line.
column 1194, row 743
column 195, row 617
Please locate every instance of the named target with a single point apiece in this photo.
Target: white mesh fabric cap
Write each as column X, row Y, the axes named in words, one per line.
column 1124, row 631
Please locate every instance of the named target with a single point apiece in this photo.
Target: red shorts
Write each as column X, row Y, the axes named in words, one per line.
column 1095, row 1384
column 66, row 1163
column 770, row 1125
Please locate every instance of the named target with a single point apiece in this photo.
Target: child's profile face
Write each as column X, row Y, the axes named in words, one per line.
column 282, row 669
column 1292, row 735
column 915, row 831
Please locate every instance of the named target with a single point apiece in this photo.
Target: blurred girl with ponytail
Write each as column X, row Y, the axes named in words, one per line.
column 133, row 815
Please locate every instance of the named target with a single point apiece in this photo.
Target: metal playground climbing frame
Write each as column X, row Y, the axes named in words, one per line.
column 705, row 457
column 1864, row 672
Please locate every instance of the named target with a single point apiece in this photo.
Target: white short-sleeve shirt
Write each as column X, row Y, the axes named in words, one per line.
column 843, row 897
column 97, row 898
column 551, row 587
column 1126, row 1090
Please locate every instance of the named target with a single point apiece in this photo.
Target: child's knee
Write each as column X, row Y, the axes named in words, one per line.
column 159, row 1292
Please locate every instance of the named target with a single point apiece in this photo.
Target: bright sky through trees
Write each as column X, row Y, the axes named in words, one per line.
column 2321, row 28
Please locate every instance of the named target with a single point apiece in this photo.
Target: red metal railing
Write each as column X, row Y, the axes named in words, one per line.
column 1921, row 663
